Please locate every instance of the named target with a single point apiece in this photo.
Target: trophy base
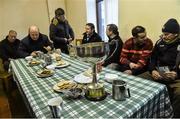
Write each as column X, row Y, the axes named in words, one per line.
column 97, row 98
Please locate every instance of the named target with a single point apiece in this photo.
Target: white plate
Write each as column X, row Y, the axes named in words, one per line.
column 28, row 58
column 110, row 77
column 61, row 66
column 40, row 75
column 81, row 78
column 54, row 65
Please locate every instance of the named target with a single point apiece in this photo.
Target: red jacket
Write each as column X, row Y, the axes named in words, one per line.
column 136, row 53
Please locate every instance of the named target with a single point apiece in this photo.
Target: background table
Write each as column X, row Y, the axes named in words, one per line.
column 148, row 98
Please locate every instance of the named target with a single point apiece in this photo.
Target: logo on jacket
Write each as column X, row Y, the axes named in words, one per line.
column 178, row 48
column 161, row 46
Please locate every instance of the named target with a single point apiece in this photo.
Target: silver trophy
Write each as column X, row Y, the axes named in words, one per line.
column 94, row 53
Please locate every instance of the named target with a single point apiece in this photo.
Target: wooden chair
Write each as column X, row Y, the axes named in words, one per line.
column 5, row 111
column 5, row 77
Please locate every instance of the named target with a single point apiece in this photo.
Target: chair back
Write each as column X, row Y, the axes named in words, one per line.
column 1, row 66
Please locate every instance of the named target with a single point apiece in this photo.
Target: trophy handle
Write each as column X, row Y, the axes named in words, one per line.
column 110, row 43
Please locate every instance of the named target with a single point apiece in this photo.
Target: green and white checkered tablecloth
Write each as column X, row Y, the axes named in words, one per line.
column 148, row 98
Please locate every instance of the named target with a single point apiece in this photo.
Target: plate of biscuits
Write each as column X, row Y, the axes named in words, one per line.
column 64, row 85
column 44, row 73
column 61, row 64
column 34, row 63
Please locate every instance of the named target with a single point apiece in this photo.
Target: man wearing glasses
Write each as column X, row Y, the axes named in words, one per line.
column 162, row 67
column 61, row 32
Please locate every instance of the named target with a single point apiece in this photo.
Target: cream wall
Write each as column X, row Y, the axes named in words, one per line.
column 53, row 5
column 76, row 15
column 20, row 14
column 152, row 14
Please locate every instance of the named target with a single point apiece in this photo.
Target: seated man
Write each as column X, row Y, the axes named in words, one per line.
column 8, row 48
column 113, row 35
column 34, row 42
column 136, row 52
column 162, row 65
column 90, row 35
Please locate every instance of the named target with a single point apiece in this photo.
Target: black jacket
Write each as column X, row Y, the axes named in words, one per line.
column 27, row 45
column 9, row 50
column 93, row 38
column 164, row 54
column 59, row 31
column 115, row 58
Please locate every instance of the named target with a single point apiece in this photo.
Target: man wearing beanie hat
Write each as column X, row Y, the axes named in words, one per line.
column 171, row 26
column 162, row 67
column 61, row 32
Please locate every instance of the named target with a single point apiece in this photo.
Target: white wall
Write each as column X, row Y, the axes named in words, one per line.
column 152, row 14
column 53, row 5
column 20, row 14
column 76, row 15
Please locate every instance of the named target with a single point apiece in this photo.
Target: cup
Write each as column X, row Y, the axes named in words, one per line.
column 71, row 51
column 119, row 90
column 56, row 106
column 51, row 67
column 58, row 51
column 110, row 77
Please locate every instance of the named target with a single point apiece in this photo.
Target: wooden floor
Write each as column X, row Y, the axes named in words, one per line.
column 11, row 104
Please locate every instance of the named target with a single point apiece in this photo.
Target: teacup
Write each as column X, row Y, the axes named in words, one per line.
column 56, row 106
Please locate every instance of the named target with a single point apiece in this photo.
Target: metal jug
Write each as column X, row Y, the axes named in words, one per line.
column 119, row 90
column 47, row 59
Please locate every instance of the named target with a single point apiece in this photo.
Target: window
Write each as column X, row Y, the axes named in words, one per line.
column 101, row 13
column 100, row 18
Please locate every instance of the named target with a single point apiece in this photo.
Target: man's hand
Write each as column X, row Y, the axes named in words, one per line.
column 99, row 67
column 48, row 48
column 133, row 65
column 33, row 54
column 156, row 75
column 128, row 72
column 170, row 75
column 70, row 40
column 66, row 40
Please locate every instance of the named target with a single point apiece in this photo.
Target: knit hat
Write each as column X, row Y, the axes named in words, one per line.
column 59, row 11
column 171, row 26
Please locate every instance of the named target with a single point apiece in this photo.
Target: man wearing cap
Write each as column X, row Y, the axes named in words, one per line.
column 61, row 32
column 162, row 67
